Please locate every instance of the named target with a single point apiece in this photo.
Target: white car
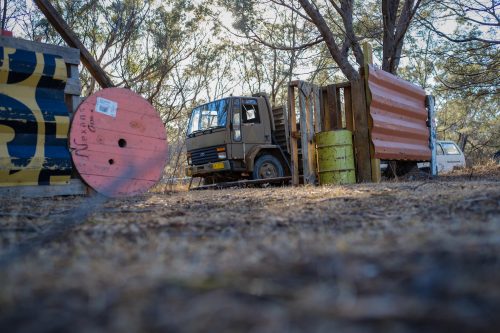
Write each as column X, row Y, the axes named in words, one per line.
column 448, row 156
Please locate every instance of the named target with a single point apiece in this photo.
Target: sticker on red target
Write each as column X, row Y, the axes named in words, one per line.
column 106, row 106
column 118, row 143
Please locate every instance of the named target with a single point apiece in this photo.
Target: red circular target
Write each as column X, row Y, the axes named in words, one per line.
column 118, row 143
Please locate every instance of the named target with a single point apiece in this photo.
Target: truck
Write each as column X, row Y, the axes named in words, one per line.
column 238, row 137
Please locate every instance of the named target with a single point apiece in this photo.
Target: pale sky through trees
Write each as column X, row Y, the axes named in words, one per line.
column 182, row 55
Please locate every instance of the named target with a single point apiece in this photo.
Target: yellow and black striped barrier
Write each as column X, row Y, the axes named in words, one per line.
column 34, row 119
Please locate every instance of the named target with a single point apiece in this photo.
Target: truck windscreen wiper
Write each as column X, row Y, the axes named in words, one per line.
column 211, row 129
column 192, row 134
column 205, row 131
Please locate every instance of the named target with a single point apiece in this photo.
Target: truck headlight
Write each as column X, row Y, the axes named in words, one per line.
column 190, row 161
column 222, row 155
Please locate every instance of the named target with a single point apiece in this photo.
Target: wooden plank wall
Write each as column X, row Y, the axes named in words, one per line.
column 337, row 109
column 306, row 97
column 337, row 106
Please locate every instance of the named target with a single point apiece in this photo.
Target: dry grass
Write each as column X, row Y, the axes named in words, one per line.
column 391, row 257
column 487, row 170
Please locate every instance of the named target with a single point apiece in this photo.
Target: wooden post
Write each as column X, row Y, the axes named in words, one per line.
column 318, row 126
column 325, row 117
column 287, row 128
column 306, row 134
column 349, row 123
column 72, row 40
column 361, row 135
column 332, row 108
column 294, row 135
column 311, row 149
column 375, row 162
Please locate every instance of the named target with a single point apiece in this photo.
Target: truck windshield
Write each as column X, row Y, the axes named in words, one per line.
column 208, row 116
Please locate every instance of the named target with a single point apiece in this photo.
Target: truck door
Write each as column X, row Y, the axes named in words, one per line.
column 248, row 127
column 252, row 126
column 453, row 156
column 236, row 146
column 440, row 161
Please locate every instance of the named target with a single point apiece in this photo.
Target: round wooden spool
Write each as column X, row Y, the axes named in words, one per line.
column 118, row 143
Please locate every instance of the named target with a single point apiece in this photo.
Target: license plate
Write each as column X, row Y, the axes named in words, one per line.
column 218, row 166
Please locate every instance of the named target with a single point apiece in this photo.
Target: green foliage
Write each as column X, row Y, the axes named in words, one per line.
column 178, row 53
column 454, row 54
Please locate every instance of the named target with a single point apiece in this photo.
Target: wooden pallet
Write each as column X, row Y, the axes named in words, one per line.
column 71, row 57
column 75, row 187
column 72, row 92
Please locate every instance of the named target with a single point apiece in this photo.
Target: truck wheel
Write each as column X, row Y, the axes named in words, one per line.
column 267, row 166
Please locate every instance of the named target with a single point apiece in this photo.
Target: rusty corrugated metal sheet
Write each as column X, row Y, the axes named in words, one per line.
column 399, row 130
column 34, row 120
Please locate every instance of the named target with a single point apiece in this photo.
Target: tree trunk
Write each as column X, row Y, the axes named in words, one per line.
column 395, row 28
column 462, row 140
column 340, row 58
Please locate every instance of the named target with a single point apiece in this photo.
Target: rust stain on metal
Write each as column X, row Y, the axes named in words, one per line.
column 397, row 107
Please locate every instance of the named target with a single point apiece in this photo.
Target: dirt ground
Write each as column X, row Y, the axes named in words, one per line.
column 414, row 256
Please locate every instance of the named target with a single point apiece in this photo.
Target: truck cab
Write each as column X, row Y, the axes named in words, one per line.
column 236, row 138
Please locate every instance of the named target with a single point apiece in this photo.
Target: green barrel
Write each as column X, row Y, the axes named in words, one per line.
column 335, row 157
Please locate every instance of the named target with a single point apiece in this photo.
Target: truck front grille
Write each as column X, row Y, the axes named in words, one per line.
column 204, row 155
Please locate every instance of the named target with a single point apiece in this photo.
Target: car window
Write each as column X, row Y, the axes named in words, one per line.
column 439, row 150
column 450, row 149
column 250, row 111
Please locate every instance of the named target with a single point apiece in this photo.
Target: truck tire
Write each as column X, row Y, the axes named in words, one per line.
column 267, row 166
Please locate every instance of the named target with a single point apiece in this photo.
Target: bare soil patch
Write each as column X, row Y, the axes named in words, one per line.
column 391, row 257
